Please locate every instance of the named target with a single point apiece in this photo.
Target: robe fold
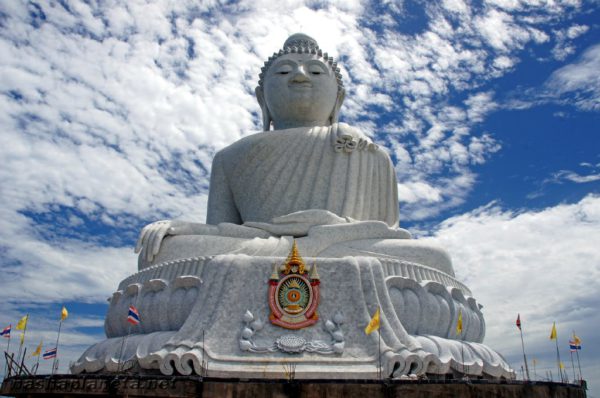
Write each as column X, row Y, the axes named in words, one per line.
column 275, row 173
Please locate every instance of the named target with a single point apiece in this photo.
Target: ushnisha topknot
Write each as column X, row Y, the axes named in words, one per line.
column 301, row 43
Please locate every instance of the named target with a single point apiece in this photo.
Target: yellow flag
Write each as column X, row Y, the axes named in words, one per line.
column 64, row 313
column 562, row 365
column 576, row 339
column 22, row 338
column 459, row 326
column 553, row 332
column 373, row 323
column 22, row 324
column 37, row 351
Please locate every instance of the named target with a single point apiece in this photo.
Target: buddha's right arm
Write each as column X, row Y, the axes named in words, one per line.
column 221, row 210
column 153, row 234
column 221, row 204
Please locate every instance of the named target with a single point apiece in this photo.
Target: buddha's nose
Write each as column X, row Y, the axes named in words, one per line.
column 300, row 76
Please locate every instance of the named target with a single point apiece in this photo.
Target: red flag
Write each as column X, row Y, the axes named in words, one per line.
column 519, row 321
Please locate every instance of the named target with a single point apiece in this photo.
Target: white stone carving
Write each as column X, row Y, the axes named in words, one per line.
column 328, row 186
column 292, row 343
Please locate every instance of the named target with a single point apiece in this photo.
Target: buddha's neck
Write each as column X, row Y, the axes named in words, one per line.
column 291, row 124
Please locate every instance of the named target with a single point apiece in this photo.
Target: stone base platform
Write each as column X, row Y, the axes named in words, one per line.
column 195, row 386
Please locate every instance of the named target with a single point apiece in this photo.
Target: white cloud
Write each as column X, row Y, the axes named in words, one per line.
column 580, row 79
column 479, row 105
column 542, row 264
column 574, row 177
column 564, row 40
column 418, row 191
column 500, row 31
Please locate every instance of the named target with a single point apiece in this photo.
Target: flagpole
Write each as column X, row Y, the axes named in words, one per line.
column 57, row 338
column 37, row 365
column 462, row 354
column 379, row 352
column 374, row 325
column 554, row 336
column 459, row 329
column 22, row 338
column 7, row 351
column 558, row 359
column 524, row 356
column 579, row 365
column 122, row 345
column 577, row 353
column 573, row 366
column 125, row 339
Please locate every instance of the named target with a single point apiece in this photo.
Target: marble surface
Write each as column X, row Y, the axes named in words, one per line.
column 203, row 316
column 202, row 289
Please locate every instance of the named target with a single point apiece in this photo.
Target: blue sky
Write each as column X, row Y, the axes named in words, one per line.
column 111, row 113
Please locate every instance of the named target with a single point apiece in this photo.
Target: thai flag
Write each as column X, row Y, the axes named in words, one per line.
column 133, row 316
column 574, row 345
column 49, row 354
column 6, row 332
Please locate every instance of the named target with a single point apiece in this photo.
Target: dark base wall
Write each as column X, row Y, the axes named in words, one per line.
column 181, row 386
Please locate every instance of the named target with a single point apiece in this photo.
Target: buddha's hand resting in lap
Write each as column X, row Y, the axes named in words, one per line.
column 298, row 223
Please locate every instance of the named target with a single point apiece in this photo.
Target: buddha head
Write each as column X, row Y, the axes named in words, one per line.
column 300, row 86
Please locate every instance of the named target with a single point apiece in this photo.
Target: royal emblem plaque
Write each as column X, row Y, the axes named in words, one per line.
column 294, row 293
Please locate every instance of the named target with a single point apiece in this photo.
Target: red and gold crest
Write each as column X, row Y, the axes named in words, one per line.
column 294, row 293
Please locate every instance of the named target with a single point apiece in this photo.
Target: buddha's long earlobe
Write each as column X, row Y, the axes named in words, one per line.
column 266, row 117
column 336, row 108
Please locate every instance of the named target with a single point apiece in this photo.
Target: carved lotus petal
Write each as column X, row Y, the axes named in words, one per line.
column 338, row 348
column 338, row 318
column 290, row 343
column 257, row 325
column 245, row 345
column 247, row 333
column 338, row 336
column 248, row 317
column 329, row 325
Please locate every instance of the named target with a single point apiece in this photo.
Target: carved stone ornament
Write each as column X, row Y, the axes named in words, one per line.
column 290, row 343
column 294, row 293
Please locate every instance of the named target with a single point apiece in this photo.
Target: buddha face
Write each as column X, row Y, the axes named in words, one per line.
column 300, row 90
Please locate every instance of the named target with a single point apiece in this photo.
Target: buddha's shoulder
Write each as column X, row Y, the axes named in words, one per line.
column 247, row 143
column 239, row 146
column 348, row 138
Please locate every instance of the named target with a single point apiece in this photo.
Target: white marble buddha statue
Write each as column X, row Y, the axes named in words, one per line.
column 327, row 187
column 305, row 176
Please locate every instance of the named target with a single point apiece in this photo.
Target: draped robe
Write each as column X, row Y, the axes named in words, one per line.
column 275, row 173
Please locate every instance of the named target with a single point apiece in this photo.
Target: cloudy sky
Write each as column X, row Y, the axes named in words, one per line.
column 111, row 113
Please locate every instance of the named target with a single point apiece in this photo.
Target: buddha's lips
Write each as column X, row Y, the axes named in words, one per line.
column 300, row 85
